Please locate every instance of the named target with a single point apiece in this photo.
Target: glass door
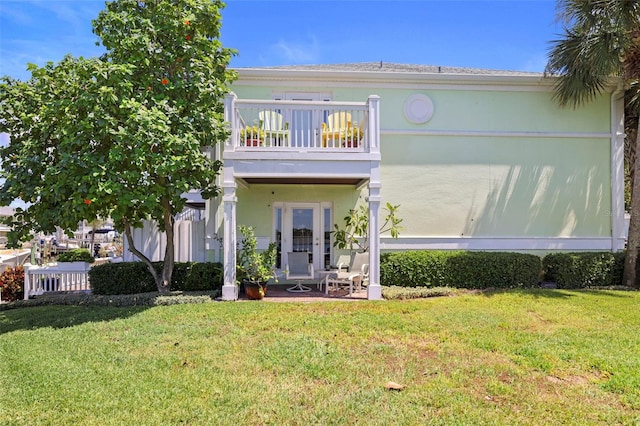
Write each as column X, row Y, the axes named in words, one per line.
column 301, row 231
column 304, row 125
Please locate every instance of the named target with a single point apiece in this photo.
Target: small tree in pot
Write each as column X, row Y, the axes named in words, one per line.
column 254, row 269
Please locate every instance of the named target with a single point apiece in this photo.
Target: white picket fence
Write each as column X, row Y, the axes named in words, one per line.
column 63, row 277
column 189, row 242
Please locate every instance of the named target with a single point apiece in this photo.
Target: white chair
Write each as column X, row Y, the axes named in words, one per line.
column 274, row 127
column 299, row 269
column 355, row 278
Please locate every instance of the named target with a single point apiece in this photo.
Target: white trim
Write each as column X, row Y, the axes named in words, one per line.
column 497, row 243
column 398, row 80
column 497, row 134
column 334, row 78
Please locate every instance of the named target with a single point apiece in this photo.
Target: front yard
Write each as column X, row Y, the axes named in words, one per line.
column 517, row 357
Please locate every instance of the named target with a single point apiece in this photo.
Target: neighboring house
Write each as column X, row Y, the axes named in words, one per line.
column 477, row 160
column 4, row 229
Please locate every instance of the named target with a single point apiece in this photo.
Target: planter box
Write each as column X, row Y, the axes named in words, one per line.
column 74, row 266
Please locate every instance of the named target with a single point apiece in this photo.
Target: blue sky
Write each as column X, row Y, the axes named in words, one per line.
column 501, row 34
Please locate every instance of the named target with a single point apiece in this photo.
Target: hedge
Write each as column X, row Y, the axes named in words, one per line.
column 459, row 269
column 584, row 269
column 134, row 277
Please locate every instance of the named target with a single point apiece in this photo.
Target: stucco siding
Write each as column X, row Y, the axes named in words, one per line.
column 255, row 204
column 456, row 186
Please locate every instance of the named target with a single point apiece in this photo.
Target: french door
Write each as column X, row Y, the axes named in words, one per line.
column 304, row 227
column 304, row 125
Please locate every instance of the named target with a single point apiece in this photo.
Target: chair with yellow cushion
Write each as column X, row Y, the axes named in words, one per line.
column 336, row 129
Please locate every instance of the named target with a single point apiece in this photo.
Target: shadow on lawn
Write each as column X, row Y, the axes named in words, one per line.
column 61, row 316
column 560, row 293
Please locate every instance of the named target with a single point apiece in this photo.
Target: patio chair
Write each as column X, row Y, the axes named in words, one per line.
column 341, row 264
column 355, row 278
column 299, row 269
column 274, row 127
column 336, row 129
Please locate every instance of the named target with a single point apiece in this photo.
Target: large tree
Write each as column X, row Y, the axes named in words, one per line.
column 599, row 44
column 123, row 135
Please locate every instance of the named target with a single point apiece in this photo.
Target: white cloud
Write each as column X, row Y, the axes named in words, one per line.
column 297, row 52
column 536, row 63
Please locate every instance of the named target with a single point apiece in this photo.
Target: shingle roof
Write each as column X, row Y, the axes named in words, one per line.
column 382, row 66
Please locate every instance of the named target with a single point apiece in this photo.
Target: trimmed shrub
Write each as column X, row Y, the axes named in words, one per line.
column 414, row 269
column 204, row 277
column 76, row 255
column 584, row 269
column 12, row 284
column 121, row 278
column 478, row 269
column 134, row 277
column 459, row 269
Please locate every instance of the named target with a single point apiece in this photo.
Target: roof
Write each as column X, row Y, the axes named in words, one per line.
column 389, row 67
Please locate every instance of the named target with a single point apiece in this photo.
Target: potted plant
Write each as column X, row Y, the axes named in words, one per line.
column 76, row 259
column 252, row 136
column 352, row 138
column 253, row 268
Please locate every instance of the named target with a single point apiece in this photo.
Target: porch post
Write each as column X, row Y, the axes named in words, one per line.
column 374, row 290
column 229, row 288
column 230, row 117
column 27, row 281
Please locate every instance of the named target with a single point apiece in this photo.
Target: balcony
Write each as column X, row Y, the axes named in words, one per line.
column 293, row 142
column 302, row 127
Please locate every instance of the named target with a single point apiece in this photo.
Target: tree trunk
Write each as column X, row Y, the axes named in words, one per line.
column 633, row 240
column 139, row 254
column 164, row 284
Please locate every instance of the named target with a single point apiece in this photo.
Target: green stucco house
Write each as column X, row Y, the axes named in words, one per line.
column 477, row 160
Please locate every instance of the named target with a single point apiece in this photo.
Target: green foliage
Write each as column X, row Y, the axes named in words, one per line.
column 355, row 234
column 459, row 269
column 121, row 278
column 12, row 283
column 76, row 255
column 123, row 135
column 405, row 293
column 134, row 277
column 584, row 269
column 252, row 265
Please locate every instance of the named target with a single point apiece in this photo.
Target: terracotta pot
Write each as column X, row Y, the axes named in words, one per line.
column 254, row 291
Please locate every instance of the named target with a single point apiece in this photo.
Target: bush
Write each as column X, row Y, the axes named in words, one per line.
column 12, row 284
column 76, row 255
column 459, row 269
column 134, row 277
column 584, row 269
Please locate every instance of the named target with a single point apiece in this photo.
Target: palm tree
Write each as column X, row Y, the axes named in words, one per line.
column 601, row 43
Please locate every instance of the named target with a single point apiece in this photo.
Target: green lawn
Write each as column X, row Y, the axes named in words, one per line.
column 518, row 357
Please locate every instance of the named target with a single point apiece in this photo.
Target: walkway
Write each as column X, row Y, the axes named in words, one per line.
column 279, row 293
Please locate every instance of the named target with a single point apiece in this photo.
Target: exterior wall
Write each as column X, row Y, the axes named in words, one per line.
column 255, row 203
column 478, row 186
column 498, row 166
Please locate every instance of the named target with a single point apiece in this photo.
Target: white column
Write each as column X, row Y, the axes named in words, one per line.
column 374, row 123
column 27, row 281
column 229, row 200
column 374, row 290
column 230, row 117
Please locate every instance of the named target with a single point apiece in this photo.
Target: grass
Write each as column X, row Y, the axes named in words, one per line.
column 518, row 357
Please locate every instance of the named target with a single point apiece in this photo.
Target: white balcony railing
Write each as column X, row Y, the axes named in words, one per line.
column 299, row 125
